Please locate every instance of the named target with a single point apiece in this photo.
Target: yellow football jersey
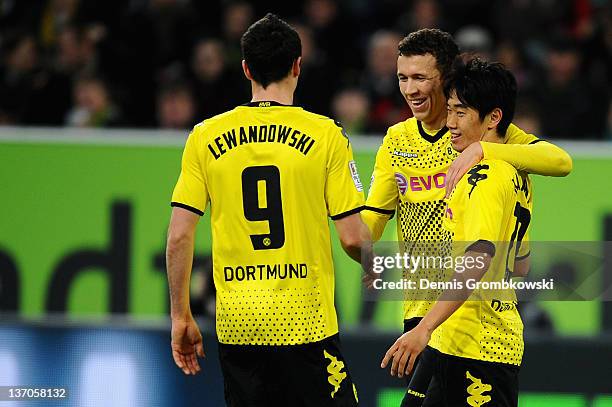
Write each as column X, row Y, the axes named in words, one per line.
column 273, row 174
column 491, row 207
column 409, row 178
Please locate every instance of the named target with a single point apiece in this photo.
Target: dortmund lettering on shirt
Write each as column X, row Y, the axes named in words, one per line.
column 491, row 206
column 409, row 178
column 272, row 175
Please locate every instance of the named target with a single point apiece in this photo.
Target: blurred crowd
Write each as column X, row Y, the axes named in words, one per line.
column 173, row 63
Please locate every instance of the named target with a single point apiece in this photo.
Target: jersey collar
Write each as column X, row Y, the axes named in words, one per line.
column 428, row 137
column 265, row 103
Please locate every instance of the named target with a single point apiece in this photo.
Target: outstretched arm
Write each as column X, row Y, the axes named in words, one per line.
column 523, row 151
column 539, row 157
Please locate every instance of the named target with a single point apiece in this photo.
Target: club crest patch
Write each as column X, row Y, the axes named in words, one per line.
column 402, row 182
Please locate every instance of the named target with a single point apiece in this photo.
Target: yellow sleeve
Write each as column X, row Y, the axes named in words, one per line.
column 526, row 152
column 191, row 191
column 484, row 209
column 343, row 188
column 375, row 222
column 382, row 196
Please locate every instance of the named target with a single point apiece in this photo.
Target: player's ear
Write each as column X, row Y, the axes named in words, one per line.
column 246, row 70
column 296, row 68
column 494, row 118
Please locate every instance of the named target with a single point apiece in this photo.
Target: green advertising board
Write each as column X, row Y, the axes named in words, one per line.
column 84, row 219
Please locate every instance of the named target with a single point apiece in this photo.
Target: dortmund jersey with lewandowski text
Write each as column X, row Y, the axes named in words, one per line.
column 490, row 207
column 272, row 175
column 409, row 180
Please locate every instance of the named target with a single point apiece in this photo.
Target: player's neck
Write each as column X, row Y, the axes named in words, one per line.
column 281, row 92
column 491, row 137
column 435, row 123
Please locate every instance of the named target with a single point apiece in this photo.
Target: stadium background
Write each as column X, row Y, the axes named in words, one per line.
column 83, row 291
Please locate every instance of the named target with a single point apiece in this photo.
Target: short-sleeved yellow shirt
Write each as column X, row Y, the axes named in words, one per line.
column 272, row 175
column 409, row 180
column 489, row 210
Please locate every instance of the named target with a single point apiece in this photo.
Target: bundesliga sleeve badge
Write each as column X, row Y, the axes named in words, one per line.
column 355, row 176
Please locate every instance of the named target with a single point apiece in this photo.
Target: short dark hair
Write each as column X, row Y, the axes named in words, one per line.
column 269, row 48
column 484, row 86
column 438, row 43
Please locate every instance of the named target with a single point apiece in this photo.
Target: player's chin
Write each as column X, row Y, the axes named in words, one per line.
column 419, row 114
column 458, row 145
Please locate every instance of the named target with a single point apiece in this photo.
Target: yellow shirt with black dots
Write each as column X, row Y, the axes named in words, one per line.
column 272, row 175
column 489, row 211
column 409, row 180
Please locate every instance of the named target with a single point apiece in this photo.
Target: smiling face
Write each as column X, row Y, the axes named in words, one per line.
column 464, row 123
column 420, row 82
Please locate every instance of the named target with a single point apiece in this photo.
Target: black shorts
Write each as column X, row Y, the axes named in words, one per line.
column 422, row 388
column 313, row 374
column 469, row 382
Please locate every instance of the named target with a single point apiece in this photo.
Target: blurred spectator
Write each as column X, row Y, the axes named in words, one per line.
column 139, row 46
column 562, row 96
column 57, row 14
column 512, row 58
column 517, row 20
column 237, row 17
column 596, row 51
column 153, row 43
column 426, row 14
column 318, row 78
column 475, row 40
column 380, row 82
column 176, row 108
column 208, row 61
column 173, row 26
column 100, row 18
column 351, row 108
column 75, row 52
column 333, row 33
column 17, row 75
column 217, row 86
column 93, row 106
column 35, row 94
column 526, row 117
column 423, row 14
column 51, row 93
